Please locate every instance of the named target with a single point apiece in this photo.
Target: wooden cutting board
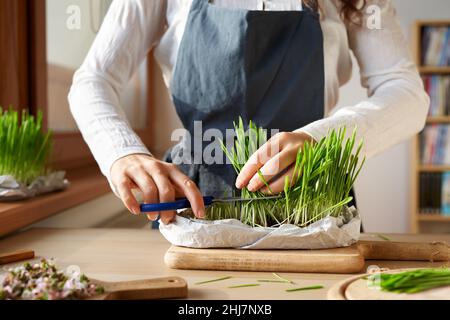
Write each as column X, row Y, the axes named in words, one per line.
column 341, row 260
column 150, row 289
column 357, row 288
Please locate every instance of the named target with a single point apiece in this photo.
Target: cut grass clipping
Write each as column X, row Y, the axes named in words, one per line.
column 213, row 280
column 24, row 146
column 323, row 177
column 278, row 279
column 305, row 288
column 411, row 281
column 245, row 286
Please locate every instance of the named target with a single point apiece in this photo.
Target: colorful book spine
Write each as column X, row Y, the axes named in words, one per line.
column 435, row 145
column 436, row 46
column 445, row 197
column 438, row 88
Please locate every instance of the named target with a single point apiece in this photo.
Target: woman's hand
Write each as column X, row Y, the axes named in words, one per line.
column 158, row 181
column 275, row 160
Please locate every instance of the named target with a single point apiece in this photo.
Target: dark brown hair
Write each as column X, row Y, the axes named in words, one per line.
column 351, row 10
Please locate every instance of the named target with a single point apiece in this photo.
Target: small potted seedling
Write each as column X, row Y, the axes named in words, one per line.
column 25, row 149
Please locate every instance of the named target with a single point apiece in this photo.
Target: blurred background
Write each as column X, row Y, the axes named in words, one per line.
column 42, row 54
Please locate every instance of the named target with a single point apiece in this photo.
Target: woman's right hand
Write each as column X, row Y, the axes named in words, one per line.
column 158, row 181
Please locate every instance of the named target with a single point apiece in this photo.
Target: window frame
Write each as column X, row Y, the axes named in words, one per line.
column 70, row 150
column 23, row 66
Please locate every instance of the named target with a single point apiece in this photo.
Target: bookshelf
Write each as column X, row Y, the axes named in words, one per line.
column 424, row 221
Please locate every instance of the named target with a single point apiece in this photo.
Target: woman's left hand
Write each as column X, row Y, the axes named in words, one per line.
column 275, row 160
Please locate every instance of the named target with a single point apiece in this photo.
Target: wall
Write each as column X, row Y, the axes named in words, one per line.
column 66, row 50
column 88, row 215
column 79, row 41
column 104, row 212
column 384, row 188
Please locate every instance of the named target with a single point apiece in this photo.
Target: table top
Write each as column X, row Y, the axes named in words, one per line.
column 132, row 254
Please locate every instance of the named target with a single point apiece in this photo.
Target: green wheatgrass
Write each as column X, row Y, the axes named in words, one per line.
column 324, row 175
column 245, row 286
column 278, row 279
column 412, row 281
column 24, row 146
column 383, row 237
column 276, row 275
column 213, row 280
column 305, row 288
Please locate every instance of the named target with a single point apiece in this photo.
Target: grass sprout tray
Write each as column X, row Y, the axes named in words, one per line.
column 313, row 212
column 329, row 232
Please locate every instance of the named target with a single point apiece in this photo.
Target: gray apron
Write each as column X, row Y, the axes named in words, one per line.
column 264, row 66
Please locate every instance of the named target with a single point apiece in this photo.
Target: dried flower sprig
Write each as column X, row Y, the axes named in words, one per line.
column 43, row 281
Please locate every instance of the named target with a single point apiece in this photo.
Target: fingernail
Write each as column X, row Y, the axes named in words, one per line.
column 201, row 213
column 239, row 183
column 136, row 211
column 251, row 187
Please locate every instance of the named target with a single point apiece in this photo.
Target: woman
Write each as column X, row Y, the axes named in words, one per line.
column 279, row 63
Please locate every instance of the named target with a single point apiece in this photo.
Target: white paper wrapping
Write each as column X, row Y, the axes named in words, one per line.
column 324, row 234
column 12, row 190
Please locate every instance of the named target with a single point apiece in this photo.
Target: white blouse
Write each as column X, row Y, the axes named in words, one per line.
column 395, row 110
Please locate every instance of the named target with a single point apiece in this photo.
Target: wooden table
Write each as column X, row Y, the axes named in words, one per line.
column 126, row 254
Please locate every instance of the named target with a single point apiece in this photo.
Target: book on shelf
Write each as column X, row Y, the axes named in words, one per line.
column 438, row 88
column 445, row 196
column 436, row 46
column 434, row 193
column 435, row 145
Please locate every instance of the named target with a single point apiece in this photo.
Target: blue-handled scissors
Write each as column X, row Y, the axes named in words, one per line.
column 184, row 203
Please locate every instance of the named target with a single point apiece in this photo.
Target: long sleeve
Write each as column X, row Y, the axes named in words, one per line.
column 397, row 105
column 130, row 29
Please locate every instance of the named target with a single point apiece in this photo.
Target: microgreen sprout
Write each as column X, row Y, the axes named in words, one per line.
column 324, row 174
column 24, row 146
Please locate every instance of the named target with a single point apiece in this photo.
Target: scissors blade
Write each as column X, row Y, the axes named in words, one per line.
column 237, row 199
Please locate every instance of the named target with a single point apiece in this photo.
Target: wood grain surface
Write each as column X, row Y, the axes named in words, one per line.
column 341, row 260
column 148, row 289
column 115, row 255
column 18, row 255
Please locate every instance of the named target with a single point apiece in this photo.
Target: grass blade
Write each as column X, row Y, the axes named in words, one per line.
column 276, row 275
column 305, row 288
column 245, row 286
column 213, row 280
column 383, row 237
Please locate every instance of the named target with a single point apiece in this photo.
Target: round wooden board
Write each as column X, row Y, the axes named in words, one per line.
column 356, row 288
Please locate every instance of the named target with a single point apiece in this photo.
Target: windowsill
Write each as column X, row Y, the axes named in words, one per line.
column 85, row 184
